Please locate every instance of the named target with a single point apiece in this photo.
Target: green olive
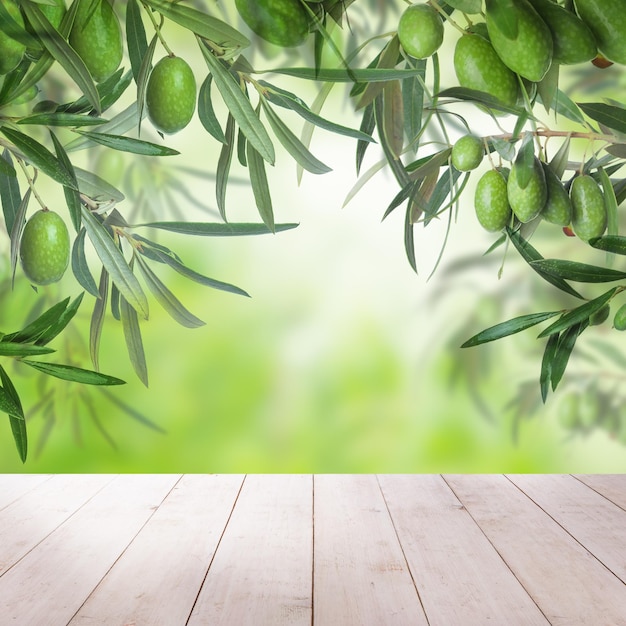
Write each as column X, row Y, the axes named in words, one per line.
column 171, row 95
column 45, row 248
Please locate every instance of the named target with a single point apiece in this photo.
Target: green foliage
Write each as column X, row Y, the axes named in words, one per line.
column 85, row 77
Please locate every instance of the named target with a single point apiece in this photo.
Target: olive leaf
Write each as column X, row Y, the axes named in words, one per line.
column 611, row 243
column 200, row 23
column 510, row 327
column 579, row 314
column 73, row 374
column 129, row 144
column 217, row 229
column 611, row 116
column 62, row 52
column 579, row 272
column 134, row 342
column 292, row 144
column 136, row 40
column 10, row 403
column 206, row 112
column 115, row 263
column 39, row 156
column 260, row 187
column 10, row 195
column 240, row 107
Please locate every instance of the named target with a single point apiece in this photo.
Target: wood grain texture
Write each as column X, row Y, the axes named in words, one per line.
column 50, row 583
column 261, row 573
column 361, row 575
column 588, row 517
column 303, row 550
column 460, row 577
column 567, row 582
column 177, row 543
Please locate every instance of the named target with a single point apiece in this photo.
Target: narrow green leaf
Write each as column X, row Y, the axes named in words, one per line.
column 80, row 267
column 579, row 314
column 62, row 52
column 223, row 166
column 10, row 195
column 611, row 205
column 136, row 40
column 22, row 349
column 187, row 272
column 510, row 327
column 115, row 263
column 73, row 374
column 545, row 377
column 368, row 125
column 134, row 342
column 579, row 272
column 206, row 113
column 72, row 120
column 611, row 243
column 292, row 144
column 409, row 238
column 240, row 107
column 388, row 59
column 611, row 116
column 525, row 161
column 548, row 86
column 558, row 163
column 396, row 165
column 16, row 414
column 129, row 144
column 72, row 196
column 217, row 229
column 167, row 299
column 142, row 81
column 56, row 328
column 529, row 254
column 95, row 187
column 413, row 103
column 503, row 147
column 481, row 98
column 367, row 75
column 393, row 116
column 35, row 329
column 39, row 156
column 288, row 100
column 97, row 318
column 260, row 187
column 565, row 346
column 200, row 23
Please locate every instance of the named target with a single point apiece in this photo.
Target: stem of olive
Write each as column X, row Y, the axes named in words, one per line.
column 31, row 183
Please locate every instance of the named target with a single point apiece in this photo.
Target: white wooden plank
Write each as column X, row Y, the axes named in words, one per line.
column 460, row 577
column 156, row 580
column 611, row 486
column 568, row 583
column 360, row 574
column 13, row 486
column 51, row 582
column 590, row 518
column 261, row 572
column 31, row 518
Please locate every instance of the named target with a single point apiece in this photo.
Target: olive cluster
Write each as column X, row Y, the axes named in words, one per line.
column 500, row 195
column 489, row 59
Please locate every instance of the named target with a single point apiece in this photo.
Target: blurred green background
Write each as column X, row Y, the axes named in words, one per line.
column 342, row 360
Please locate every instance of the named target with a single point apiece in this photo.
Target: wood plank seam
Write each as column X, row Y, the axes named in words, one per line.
column 313, row 549
column 582, row 482
column 580, row 543
column 119, row 556
column 217, row 547
column 496, row 549
column 406, row 561
column 65, row 521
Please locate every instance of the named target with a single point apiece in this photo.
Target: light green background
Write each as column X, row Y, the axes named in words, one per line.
column 339, row 362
